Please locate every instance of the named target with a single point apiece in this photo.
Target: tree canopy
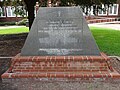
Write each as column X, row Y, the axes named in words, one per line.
column 18, row 5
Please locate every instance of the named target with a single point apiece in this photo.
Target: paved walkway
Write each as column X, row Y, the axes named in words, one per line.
column 112, row 25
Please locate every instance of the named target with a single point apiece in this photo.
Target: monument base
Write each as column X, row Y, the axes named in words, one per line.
column 61, row 67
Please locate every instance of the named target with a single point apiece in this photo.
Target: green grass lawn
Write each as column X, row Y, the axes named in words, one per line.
column 14, row 30
column 108, row 40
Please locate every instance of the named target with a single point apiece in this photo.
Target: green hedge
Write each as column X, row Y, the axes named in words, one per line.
column 22, row 22
column 119, row 19
column 7, row 23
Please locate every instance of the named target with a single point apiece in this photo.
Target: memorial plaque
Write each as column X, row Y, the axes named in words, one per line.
column 60, row 31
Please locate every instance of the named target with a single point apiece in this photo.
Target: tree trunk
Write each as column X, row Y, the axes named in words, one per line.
column 119, row 10
column 30, row 7
column 31, row 15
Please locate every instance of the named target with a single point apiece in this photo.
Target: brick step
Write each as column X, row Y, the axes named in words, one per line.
column 68, row 66
column 87, row 63
column 60, row 58
column 59, row 70
column 61, row 75
column 61, row 63
column 61, row 67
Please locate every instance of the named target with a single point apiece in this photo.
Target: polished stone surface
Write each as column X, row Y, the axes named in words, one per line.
column 60, row 31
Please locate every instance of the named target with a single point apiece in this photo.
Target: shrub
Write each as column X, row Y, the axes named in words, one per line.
column 7, row 23
column 22, row 22
column 119, row 19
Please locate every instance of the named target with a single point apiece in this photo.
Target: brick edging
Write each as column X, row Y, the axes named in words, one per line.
column 55, row 75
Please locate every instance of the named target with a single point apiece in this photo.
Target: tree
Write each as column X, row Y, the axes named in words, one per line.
column 17, row 5
column 88, row 3
column 30, row 8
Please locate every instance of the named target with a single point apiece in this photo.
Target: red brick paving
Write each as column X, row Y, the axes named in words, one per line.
column 61, row 67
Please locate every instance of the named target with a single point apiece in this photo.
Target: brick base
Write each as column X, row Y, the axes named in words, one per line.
column 61, row 67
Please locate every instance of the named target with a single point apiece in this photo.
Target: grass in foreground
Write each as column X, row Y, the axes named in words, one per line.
column 108, row 40
column 14, row 30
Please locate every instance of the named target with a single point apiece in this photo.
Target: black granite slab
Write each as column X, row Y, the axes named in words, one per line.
column 59, row 31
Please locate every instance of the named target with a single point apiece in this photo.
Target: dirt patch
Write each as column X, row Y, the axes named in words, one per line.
column 10, row 45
